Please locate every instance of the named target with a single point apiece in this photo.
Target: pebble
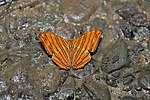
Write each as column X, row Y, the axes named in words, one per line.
column 131, row 14
column 115, row 57
column 97, row 91
column 127, row 80
column 144, row 79
column 128, row 98
column 127, row 88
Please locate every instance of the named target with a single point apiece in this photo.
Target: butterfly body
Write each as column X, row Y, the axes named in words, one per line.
column 73, row 53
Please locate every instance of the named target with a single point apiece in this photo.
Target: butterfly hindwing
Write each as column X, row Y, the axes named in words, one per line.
column 82, row 56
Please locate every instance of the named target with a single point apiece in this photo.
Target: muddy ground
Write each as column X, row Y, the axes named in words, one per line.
column 119, row 70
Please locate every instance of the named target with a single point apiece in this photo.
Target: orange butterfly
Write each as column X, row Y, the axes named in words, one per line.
column 73, row 53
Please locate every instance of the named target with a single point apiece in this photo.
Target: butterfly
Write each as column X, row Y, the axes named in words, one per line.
column 72, row 53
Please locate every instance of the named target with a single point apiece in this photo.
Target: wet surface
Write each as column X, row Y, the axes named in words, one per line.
column 119, row 70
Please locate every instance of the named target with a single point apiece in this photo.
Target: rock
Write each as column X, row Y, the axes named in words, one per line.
column 115, row 57
column 110, row 80
column 139, row 48
column 128, row 79
column 128, row 98
column 97, row 91
column 67, row 95
column 144, row 79
column 77, row 12
column 138, row 88
column 11, row 24
column 130, row 13
column 127, row 88
column 128, row 31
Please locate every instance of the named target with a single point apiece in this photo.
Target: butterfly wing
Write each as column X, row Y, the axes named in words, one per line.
column 58, row 48
column 83, row 45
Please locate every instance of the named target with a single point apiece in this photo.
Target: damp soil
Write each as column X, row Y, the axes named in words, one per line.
column 119, row 69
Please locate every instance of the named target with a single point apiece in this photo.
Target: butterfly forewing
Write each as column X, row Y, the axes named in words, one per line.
column 95, row 40
column 58, row 48
column 89, row 41
column 47, row 45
